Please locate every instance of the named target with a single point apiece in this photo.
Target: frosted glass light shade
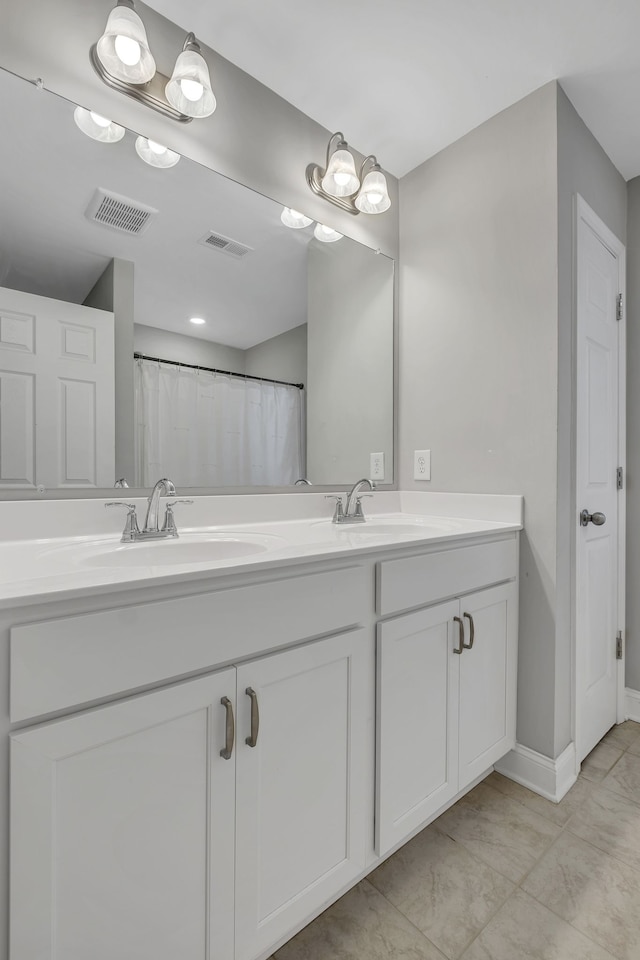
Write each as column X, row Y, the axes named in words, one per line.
column 291, row 218
column 123, row 49
column 374, row 195
column 155, row 154
column 326, row 234
column 97, row 127
column 340, row 179
column 189, row 89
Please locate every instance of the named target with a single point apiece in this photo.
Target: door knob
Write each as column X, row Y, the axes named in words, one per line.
column 597, row 518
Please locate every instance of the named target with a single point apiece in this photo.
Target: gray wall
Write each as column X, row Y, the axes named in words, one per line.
column 478, row 350
column 254, row 136
column 114, row 291
column 350, row 351
column 633, row 437
column 585, row 169
column 281, row 358
column 184, row 349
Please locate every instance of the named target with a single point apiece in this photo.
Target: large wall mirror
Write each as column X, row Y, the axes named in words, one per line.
column 105, row 261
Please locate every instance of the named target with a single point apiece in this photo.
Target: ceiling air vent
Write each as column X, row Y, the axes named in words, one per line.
column 119, row 213
column 215, row 241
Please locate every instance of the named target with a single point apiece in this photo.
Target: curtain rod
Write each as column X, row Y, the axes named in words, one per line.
column 228, row 373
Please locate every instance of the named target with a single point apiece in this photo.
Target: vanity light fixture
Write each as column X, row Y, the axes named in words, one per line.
column 122, row 59
column 342, row 185
column 97, row 127
column 155, row 154
column 291, row 218
column 326, row 234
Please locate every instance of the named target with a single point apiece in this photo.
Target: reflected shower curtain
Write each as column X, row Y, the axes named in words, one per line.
column 205, row 429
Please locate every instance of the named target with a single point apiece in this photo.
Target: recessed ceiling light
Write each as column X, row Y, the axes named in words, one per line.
column 196, row 320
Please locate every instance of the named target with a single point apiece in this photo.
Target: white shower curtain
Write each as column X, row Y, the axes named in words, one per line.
column 204, row 429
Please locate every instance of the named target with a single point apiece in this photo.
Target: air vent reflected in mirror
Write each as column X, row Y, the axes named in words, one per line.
column 215, row 241
column 119, row 213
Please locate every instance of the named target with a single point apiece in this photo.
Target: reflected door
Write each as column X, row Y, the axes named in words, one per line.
column 57, row 424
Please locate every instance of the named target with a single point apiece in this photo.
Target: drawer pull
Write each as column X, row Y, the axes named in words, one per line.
column 255, row 718
column 230, row 729
column 460, row 623
column 472, row 632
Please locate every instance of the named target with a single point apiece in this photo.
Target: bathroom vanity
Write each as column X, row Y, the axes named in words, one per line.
column 204, row 755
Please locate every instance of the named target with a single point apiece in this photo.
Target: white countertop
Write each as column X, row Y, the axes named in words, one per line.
column 62, row 549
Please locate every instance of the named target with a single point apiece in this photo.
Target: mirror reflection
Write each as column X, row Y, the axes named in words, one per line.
column 159, row 319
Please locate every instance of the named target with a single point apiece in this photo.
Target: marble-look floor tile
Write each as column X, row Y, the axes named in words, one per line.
column 597, row 764
column 362, row 925
column 612, row 823
column 502, row 832
column 594, row 892
column 557, row 812
column 625, row 777
column 623, row 735
column 523, row 929
column 445, row 891
column 634, row 747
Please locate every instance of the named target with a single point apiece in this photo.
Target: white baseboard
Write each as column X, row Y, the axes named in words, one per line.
column 549, row 778
column 632, row 705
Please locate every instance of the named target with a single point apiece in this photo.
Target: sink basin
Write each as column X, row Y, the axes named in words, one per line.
column 187, row 549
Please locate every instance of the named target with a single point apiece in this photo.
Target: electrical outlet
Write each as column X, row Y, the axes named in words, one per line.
column 422, row 464
column 376, row 466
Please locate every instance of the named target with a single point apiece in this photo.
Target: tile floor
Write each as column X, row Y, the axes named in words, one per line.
column 505, row 875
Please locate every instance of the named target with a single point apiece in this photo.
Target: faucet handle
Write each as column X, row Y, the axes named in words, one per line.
column 169, row 526
column 358, row 511
column 131, row 529
column 339, row 511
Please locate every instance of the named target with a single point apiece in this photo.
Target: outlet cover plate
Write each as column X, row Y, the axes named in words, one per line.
column 376, row 466
column 422, row 464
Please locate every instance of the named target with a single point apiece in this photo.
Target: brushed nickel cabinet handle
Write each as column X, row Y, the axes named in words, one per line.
column 472, row 632
column 230, row 729
column 460, row 623
column 255, row 718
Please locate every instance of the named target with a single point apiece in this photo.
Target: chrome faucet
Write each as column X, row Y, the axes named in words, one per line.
column 352, row 512
column 163, row 488
column 151, row 529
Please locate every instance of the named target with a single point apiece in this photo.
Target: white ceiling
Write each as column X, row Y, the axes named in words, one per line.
column 405, row 78
column 48, row 247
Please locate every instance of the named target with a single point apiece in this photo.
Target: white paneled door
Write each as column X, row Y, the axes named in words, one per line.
column 57, row 424
column 599, row 426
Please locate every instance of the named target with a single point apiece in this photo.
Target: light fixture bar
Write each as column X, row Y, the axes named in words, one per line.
column 150, row 93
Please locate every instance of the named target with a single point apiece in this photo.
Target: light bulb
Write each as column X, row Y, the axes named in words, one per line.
column 294, row 219
column 326, row 234
column 128, row 50
column 99, row 120
column 197, row 320
column 192, row 90
column 155, row 154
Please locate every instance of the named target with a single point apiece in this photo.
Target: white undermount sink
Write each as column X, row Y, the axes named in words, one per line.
column 187, row 549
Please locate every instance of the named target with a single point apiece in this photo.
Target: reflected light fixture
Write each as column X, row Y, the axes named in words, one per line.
column 291, row 218
column 97, row 127
column 341, row 184
column 123, row 60
column 197, row 320
column 155, row 154
column 326, row 234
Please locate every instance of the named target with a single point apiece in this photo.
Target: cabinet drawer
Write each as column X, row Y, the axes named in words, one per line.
column 416, row 581
column 58, row 664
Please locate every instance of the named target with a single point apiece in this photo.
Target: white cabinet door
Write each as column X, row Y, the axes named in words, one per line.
column 417, row 693
column 301, row 791
column 118, row 817
column 487, row 680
